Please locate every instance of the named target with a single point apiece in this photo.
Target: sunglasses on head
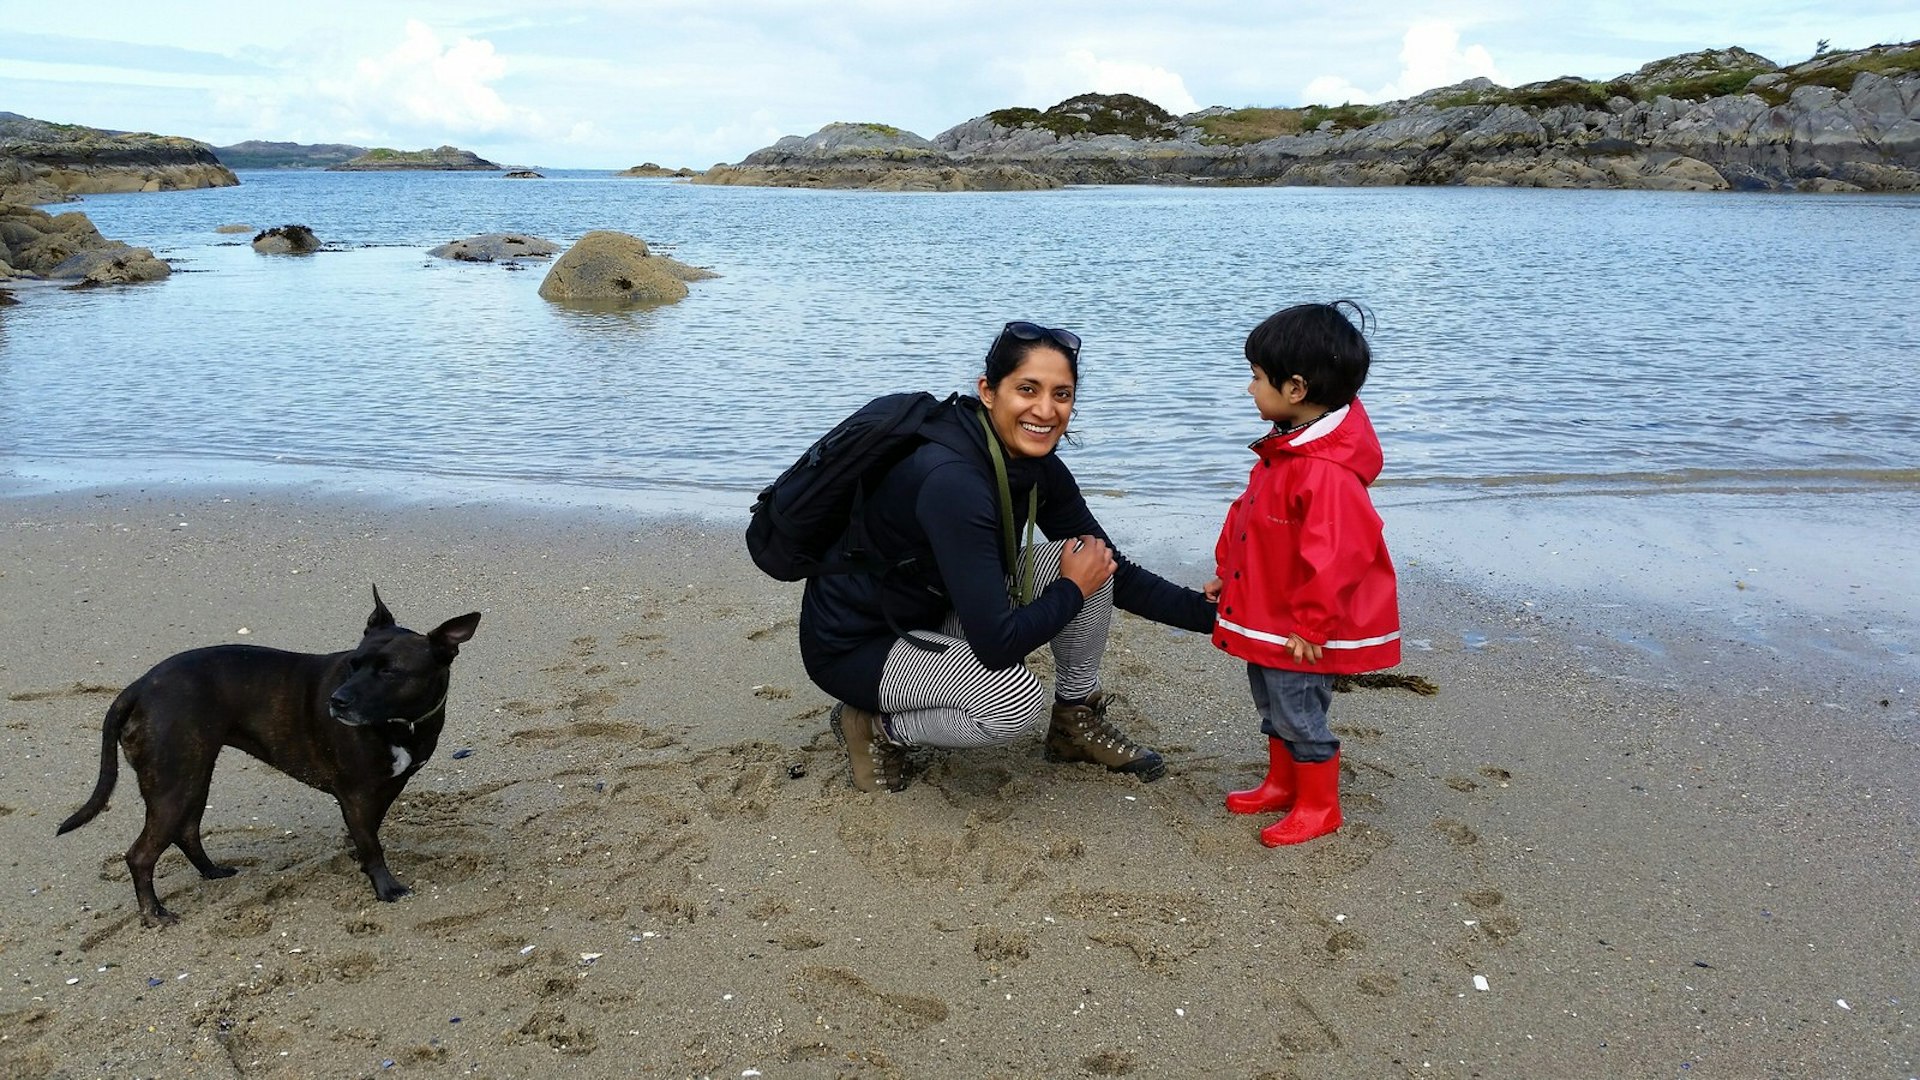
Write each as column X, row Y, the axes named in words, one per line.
column 1021, row 330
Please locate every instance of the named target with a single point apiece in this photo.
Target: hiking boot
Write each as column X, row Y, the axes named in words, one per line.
column 878, row 763
column 1083, row 733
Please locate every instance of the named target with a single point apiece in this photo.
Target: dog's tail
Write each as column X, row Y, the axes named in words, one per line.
column 117, row 714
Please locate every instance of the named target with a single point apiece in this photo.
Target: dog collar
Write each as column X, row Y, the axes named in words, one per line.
column 436, row 708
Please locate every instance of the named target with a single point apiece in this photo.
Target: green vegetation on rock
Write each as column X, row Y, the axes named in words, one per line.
column 1839, row 70
column 1342, row 117
column 1242, row 127
column 1719, row 84
column 1095, row 114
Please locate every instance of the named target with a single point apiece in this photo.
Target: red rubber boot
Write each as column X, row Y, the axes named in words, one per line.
column 1276, row 791
column 1316, row 812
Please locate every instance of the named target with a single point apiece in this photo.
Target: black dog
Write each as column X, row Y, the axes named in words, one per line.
column 355, row 724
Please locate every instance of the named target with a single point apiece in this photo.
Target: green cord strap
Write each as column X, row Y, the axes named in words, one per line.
column 1018, row 559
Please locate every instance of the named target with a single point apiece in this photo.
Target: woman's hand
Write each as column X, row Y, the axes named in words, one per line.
column 1212, row 589
column 1088, row 562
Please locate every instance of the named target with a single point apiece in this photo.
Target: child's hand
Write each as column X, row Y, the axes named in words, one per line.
column 1304, row 651
column 1211, row 590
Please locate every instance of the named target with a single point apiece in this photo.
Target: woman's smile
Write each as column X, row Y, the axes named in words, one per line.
column 1032, row 404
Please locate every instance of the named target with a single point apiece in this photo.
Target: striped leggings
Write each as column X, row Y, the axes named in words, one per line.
column 950, row 699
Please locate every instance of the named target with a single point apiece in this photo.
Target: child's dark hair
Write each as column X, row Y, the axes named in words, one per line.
column 1321, row 343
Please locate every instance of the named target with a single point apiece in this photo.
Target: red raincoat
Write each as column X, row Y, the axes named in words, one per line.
column 1302, row 553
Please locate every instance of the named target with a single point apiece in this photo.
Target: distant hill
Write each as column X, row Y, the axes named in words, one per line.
column 381, row 159
column 257, row 154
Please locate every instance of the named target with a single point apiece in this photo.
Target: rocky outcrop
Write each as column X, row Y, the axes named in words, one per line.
column 41, row 162
column 67, row 247
column 613, row 268
column 496, row 247
column 650, row 171
column 525, row 174
column 286, row 240
column 1710, row 120
column 926, row 177
column 872, row 156
column 382, row 159
column 257, row 154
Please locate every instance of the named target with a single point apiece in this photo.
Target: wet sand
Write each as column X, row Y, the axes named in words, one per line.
column 649, row 862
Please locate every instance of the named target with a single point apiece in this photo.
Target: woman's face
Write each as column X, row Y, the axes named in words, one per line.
column 1031, row 406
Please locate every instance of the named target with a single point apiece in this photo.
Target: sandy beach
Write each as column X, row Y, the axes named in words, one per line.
column 637, row 853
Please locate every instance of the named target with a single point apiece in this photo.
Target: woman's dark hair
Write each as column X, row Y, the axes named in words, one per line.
column 1321, row 343
column 1009, row 350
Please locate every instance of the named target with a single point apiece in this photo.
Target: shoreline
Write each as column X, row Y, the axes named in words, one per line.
column 1689, row 588
column 650, row 861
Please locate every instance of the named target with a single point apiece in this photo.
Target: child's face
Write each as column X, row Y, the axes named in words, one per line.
column 1284, row 404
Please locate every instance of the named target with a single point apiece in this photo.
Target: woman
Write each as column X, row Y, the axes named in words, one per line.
column 931, row 654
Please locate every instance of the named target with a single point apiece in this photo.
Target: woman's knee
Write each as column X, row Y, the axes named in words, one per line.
column 1013, row 718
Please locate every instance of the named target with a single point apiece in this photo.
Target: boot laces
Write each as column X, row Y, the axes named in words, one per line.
column 1091, row 720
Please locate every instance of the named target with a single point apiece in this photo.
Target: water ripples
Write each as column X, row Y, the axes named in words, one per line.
column 1523, row 337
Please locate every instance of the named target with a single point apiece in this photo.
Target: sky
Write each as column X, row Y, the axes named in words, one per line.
column 605, row 84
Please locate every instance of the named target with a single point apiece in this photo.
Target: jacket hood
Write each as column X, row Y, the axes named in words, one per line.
column 1344, row 437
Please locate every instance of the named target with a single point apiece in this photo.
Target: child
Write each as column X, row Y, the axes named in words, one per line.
column 1305, row 587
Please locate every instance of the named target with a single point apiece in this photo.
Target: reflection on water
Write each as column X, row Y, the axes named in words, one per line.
column 1545, row 339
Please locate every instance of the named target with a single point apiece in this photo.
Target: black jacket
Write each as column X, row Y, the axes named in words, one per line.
column 940, row 504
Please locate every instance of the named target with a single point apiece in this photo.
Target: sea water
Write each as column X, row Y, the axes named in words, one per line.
column 1619, row 351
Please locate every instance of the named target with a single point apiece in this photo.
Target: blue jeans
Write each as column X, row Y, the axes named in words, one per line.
column 1293, row 708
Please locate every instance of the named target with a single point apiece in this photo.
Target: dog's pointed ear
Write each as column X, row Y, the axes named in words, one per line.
column 381, row 618
column 450, row 635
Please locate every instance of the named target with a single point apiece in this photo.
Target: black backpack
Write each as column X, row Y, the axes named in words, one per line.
column 799, row 518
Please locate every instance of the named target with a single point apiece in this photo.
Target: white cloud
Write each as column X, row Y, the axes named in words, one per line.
column 426, row 85
column 1079, row 71
column 1430, row 56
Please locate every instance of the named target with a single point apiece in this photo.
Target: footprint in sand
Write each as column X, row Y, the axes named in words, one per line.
column 1456, row 832
column 848, row 1001
column 1161, row 930
column 996, row 944
column 1377, row 985
column 983, row 851
column 1496, row 924
column 1345, row 851
column 548, row 1026
column 1343, row 942
column 1299, row 1027
column 76, row 690
column 769, row 631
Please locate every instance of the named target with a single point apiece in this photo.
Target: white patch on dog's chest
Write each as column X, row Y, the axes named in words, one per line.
column 401, row 759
